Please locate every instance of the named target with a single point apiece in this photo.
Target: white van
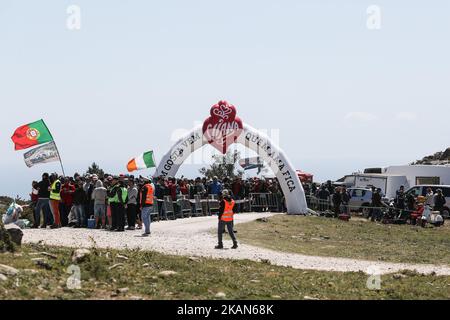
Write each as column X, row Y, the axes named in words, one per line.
column 421, row 190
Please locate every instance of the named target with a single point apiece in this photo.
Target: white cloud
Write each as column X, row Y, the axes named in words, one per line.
column 408, row 116
column 360, row 116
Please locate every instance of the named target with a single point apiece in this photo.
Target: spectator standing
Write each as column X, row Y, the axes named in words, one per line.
column 34, row 195
column 429, row 198
column 345, row 199
column 376, row 204
column 439, row 201
column 324, row 197
column 237, row 190
column 337, row 201
column 133, row 194
column 99, row 195
column 43, row 203
column 215, row 188
column 400, row 198
column 67, row 191
column 147, row 201
column 117, row 199
column 79, row 200
column 55, row 199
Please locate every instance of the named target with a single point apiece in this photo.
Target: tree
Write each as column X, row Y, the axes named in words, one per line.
column 95, row 169
column 223, row 166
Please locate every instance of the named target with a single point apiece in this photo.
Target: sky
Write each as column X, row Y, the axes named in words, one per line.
column 341, row 96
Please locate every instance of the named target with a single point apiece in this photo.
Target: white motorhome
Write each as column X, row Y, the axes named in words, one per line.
column 422, row 174
column 390, row 179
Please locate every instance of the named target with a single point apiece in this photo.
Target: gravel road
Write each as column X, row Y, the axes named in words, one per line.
column 192, row 237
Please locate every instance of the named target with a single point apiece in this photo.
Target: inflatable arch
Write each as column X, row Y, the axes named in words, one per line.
column 232, row 130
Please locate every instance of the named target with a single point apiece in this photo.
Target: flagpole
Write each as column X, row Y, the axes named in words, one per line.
column 56, row 147
column 60, row 160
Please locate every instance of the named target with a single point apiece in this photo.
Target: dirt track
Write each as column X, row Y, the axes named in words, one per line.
column 192, row 237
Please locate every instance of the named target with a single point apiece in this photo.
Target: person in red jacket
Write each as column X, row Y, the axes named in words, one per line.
column 67, row 191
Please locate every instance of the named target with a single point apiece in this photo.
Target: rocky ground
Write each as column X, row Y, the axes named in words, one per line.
column 193, row 237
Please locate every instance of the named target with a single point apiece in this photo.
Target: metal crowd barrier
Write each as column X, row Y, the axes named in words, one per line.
column 213, row 204
column 184, row 206
column 273, row 202
column 168, row 206
column 155, row 212
column 198, row 206
column 264, row 202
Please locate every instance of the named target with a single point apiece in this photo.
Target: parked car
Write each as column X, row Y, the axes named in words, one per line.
column 361, row 199
column 421, row 190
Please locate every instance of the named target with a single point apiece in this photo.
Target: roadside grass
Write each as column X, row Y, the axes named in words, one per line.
column 136, row 275
column 358, row 238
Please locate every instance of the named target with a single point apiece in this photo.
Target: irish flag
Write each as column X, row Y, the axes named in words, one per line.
column 31, row 134
column 141, row 162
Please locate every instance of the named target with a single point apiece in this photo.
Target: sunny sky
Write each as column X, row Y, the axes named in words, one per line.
column 343, row 96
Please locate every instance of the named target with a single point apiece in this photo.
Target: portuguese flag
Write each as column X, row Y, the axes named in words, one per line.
column 144, row 161
column 31, row 135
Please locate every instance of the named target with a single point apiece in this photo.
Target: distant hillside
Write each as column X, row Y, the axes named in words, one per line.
column 436, row 159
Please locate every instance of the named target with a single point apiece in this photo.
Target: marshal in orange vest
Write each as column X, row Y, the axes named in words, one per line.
column 150, row 197
column 228, row 212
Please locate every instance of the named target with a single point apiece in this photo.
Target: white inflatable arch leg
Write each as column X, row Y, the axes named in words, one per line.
column 254, row 140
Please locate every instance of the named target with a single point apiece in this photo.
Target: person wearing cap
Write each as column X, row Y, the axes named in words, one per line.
column 226, row 218
column 117, row 199
column 146, row 201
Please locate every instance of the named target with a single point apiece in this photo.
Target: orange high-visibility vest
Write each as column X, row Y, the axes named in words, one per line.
column 228, row 211
column 149, row 199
